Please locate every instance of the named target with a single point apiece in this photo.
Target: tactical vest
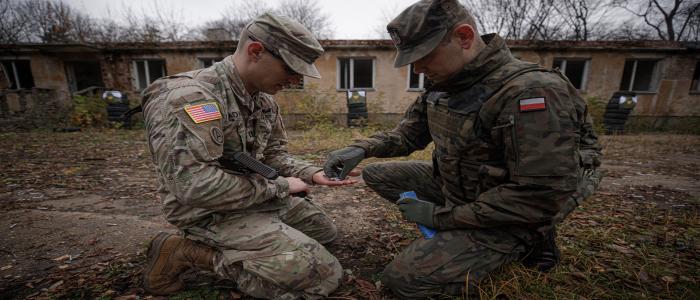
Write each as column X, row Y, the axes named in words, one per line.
column 467, row 159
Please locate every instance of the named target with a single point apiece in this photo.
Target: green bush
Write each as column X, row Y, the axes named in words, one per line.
column 596, row 110
column 88, row 111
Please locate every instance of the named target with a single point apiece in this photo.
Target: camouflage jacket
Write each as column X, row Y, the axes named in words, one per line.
column 193, row 183
column 508, row 141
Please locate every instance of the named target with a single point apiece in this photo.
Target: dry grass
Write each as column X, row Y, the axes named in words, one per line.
column 629, row 241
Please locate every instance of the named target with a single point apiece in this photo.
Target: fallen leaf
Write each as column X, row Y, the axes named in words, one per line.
column 62, row 257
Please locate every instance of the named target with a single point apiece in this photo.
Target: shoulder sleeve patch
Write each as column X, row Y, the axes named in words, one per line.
column 532, row 104
column 204, row 112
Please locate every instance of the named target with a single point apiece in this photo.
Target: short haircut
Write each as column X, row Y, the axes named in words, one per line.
column 242, row 40
column 469, row 20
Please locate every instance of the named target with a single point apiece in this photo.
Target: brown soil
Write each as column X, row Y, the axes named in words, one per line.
column 77, row 210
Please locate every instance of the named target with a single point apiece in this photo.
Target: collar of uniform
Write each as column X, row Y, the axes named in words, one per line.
column 244, row 99
column 495, row 55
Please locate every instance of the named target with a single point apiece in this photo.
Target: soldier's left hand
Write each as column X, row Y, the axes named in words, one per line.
column 322, row 179
column 417, row 211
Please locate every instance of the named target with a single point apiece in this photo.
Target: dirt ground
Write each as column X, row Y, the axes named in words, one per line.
column 77, row 209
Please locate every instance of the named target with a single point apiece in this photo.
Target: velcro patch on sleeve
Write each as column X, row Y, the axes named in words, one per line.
column 532, row 104
column 203, row 112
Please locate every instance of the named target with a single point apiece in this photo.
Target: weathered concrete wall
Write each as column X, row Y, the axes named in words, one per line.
column 671, row 98
column 390, row 95
column 32, row 108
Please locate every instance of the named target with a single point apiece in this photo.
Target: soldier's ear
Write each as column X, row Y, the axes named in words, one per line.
column 465, row 35
column 255, row 50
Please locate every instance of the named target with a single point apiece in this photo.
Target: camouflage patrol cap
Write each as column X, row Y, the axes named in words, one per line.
column 420, row 28
column 288, row 40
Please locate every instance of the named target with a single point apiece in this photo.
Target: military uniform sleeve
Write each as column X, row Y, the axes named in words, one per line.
column 410, row 135
column 186, row 155
column 541, row 146
column 276, row 155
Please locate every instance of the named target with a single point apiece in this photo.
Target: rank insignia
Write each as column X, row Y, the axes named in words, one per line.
column 532, row 104
column 203, row 112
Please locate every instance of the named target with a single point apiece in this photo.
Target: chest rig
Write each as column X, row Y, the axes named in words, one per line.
column 467, row 159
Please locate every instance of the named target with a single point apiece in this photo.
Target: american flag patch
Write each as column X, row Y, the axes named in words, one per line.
column 532, row 104
column 203, row 112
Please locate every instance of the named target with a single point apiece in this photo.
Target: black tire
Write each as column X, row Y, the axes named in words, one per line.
column 614, row 121
column 616, row 115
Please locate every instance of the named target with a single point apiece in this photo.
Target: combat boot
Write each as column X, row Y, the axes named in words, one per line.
column 169, row 256
column 545, row 255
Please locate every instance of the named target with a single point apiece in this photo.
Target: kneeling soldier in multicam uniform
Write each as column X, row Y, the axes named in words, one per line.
column 239, row 224
column 514, row 154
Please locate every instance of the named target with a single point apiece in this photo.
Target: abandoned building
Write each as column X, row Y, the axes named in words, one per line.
column 38, row 80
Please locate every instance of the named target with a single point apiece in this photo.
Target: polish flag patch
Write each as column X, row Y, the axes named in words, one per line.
column 532, row 104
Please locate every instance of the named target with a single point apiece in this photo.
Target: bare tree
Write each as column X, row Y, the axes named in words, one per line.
column 585, row 19
column 309, row 14
column 14, row 26
column 516, row 19
column 672, row 20
column 236, row 16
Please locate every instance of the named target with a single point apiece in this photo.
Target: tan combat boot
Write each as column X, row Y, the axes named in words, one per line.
column 169, row 256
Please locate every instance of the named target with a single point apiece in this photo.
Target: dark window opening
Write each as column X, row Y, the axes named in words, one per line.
column 84, row 74
column 147, row 71
column 362, row 73
column 575, row 70
column 18, row 73
column 415, row 81
column 355, row 73
column 638, row 75
column 695, row 85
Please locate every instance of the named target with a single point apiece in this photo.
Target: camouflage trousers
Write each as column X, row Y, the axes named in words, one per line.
column 275, row 255
column 453, row 261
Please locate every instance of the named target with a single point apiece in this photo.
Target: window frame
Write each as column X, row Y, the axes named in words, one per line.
column 201, row 61
column 351, row 75
column 695, row 79
column 653, row 82
column 15, row 73
column 421, row 81
column 586, row 69
column 134, row 69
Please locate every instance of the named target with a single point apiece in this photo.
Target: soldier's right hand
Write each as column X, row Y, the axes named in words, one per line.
column 296, row 185
column 341, row 162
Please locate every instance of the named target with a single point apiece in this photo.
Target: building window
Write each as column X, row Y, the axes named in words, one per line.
column 695, row 85
column 147, row 71
column 416, row 82
column 18, row 74
column 639, row 76
column 576, row 70
column 355, row 73
column 208, row 62
column 83, row 74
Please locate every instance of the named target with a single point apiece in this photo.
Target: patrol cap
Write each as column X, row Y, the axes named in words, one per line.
column 288, row 40
column 420, row 28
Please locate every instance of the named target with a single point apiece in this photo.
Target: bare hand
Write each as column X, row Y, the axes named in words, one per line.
column 322, row 179
column 296, row 185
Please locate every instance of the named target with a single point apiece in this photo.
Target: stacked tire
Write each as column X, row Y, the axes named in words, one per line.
column 617, row 111
column 357, row 114
column 116, row 113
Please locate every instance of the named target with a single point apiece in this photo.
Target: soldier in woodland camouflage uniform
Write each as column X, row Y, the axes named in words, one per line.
column 514, row 153
column 238, row 224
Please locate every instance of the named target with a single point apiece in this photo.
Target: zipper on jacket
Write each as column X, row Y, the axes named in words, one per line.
column 514, row 140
